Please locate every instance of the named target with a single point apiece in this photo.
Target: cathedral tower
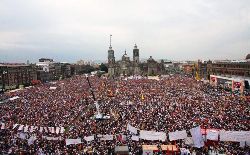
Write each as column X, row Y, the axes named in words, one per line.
column 136, row 60
column 111, row 60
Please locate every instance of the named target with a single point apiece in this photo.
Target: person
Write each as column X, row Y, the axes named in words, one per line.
column 169, row 104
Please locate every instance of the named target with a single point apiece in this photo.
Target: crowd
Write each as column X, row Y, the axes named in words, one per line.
column 171, row 103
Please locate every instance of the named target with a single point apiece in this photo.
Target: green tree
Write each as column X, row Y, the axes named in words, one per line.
column 103, row 67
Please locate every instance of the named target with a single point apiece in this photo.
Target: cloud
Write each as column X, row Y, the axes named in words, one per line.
column 172, row 29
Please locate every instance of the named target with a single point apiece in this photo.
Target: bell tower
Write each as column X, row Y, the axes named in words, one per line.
column 111, row 59
column 136, row 60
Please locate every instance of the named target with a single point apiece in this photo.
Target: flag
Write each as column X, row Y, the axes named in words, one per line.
column 142, row 97
column 121, row 138
column 197, row 137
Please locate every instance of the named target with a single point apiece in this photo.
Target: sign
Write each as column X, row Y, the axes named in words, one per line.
column 235, row 136
column 177, row 135
column 197, row 137
column 152, row 135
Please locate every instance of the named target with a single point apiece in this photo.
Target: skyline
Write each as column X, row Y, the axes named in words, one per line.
column 74, row 30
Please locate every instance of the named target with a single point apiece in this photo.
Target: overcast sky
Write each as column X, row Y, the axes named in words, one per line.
column 69, row 30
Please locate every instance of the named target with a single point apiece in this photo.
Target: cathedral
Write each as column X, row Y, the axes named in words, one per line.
column 125, row 66
column 128, row 67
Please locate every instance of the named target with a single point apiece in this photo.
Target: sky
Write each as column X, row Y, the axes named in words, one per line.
column 70, row 30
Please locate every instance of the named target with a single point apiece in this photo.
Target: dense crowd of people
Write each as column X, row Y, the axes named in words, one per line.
column 171, row 103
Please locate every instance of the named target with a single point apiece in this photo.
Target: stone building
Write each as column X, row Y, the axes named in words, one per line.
column 224, row 68
column 125, row 66
column 48, row 70
column 13, row 76
column 128, row 67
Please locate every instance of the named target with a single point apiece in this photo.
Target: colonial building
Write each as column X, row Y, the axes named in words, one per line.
column 224, row 68
column 48, row 70
column 128, row 67
column 13, row 76
column 152, row 67
column 125, row 66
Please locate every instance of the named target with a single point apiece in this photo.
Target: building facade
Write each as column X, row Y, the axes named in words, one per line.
column 224, row 68
column 128, row 67
column 125, row 66
column 48, row 70
column 13, row 76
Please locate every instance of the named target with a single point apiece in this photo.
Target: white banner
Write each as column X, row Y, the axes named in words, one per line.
column 20, row 128
column 213, row 135
column 31, row 140
column 189, row 141
column 32, row 128
column 135, row 138
column 2, row 126
column 52, row 138
column 89, row 138
column 26, row 128
column 14, row 98
column 73, row 141
column 106, row 137
column 152, row 135
column 235, row 136
column 62, row 130
column 132, row 129
column 22, row 135
column 41, row 129
column 52, row 88
column 177, row 135
column 57, row 130
column 197, row 137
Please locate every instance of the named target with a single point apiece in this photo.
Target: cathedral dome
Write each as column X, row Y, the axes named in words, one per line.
column 248, row 57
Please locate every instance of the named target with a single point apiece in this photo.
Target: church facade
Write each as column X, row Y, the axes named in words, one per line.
column 128, row 67
column 125, row 66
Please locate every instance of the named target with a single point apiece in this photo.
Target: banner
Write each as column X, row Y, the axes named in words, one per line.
column 20, row 128
column 189, row 141
column 57, row 130
column 2, row 126
column 213, row 135
column 52, row 88
column 234, row 136
column 152, row 135
column 73, row 141
column 197, row 137
column 177, row 135
column 89, row 138
column 105, row 137
column 22, row 135
column 26, row 128
column 62, row 130
column 31, row 140
column 135, row 138
column 32, row 128
column 51, row 138
column 132, row 129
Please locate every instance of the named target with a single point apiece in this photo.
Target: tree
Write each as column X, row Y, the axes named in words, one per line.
column 103, row 67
